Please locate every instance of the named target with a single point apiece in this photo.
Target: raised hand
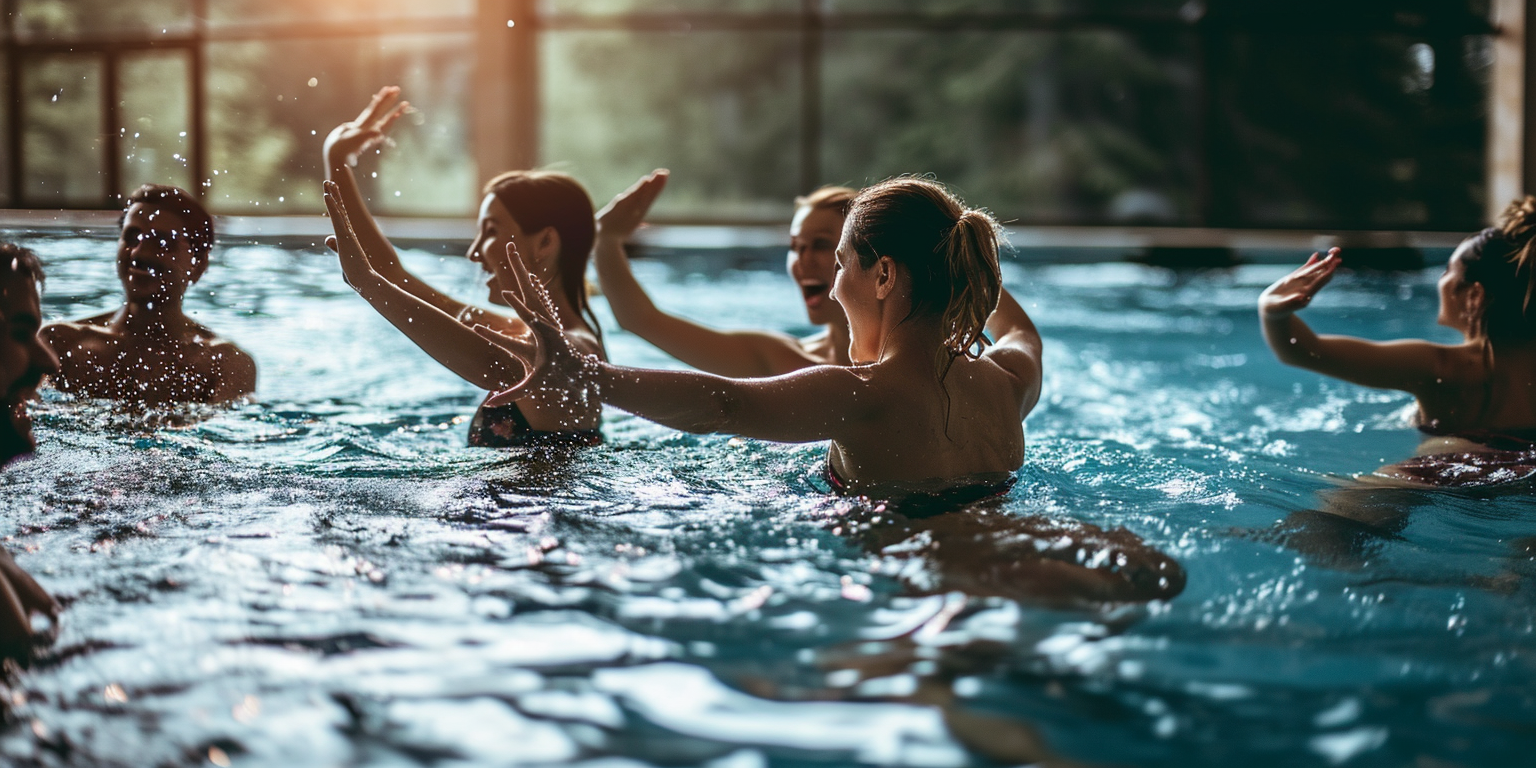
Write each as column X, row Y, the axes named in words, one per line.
column 552, row 362
column 622, row 216
column 20, row 597
column 1295, row 291
column 354, row 260
column 369, row 130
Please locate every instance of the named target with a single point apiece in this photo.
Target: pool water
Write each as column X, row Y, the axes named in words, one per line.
column 327, row 576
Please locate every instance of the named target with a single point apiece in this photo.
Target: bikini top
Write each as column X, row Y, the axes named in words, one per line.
column 504, row 426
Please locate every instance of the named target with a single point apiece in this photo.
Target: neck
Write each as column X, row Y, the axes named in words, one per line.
column 837, row 338
column 151, row 318
column 911, row 339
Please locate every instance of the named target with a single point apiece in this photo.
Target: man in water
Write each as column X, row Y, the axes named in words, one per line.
column 24, row 360
column 148, row 350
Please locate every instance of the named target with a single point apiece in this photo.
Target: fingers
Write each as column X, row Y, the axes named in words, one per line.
column 394, row 114
column 380, row 101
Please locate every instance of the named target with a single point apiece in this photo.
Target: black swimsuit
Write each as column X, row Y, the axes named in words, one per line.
column 504, row 426
column 924, row 503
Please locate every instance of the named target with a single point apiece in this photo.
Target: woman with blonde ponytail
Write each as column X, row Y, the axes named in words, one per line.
column 1475, row 397
column 927, row 405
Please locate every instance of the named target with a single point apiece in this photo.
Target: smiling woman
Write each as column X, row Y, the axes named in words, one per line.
column 813, row 236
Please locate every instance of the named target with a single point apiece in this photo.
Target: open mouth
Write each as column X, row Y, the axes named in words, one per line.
column 142, row 268
column 814, row 293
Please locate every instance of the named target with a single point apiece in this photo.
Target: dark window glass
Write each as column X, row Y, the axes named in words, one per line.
column 271, row 103
column 613, row 7
column 720, row 109
column 61, row 141
column 154, row 120
column 117, row 18
column 1039, row 127
column 1380, row 131
column 237, row 12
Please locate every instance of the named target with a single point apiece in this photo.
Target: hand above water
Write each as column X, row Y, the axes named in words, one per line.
column 20, row 597
column 369, row 130
column 550, row 359
column 354, row 260
column 1295, row 291
column 622, row 216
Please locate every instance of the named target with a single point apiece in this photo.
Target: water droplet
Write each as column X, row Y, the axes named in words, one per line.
column 314, row 81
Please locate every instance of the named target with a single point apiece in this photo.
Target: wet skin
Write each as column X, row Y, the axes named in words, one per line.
column 24, row 360
column 148, row 350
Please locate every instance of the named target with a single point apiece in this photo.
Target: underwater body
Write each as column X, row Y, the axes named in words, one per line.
column 326, row 575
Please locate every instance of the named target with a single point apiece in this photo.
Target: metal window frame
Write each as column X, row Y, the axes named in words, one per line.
column 520, row 88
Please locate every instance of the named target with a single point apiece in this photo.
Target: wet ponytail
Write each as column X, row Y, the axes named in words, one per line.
column 970, row 251
column 1518, row 223
column 949, row 251
column 1503, row 260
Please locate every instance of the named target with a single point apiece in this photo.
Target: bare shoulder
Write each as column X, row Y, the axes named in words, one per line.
column 72, row 332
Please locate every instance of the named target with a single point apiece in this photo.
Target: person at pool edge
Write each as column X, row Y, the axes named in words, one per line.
column 1476, row 398
column 927, row 405
column 550, row 218
column 24, row 360
column 813, row 236
column 148, row 350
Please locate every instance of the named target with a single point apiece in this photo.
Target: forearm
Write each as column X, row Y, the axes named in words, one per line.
column 448, row 341
column 1292, row 340
column 631, row 307
column 689, row 401
column 381, row 253
column 1010, row 321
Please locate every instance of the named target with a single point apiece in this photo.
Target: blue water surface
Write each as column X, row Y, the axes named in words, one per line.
column 327, row 576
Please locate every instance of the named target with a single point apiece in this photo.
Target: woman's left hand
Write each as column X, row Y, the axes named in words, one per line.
column 552, row 362
column 354, row 260
column 1295, row 291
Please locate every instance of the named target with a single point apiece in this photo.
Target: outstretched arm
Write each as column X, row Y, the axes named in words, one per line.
column 727, row 353
column 455, row 345
column 20, row 597
column 1409, row 366
column 1017, row 349
column 343, row 146
column 817, row 403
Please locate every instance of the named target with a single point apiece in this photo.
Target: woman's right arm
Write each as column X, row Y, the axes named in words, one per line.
column 738, row 354
column 457, row 346
column 342, row 147
column 1017, row 349
column 1409, row 366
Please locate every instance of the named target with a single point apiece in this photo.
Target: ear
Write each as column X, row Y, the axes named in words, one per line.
column 548, row 243
column 885, row 277
column 1476, row 299
column 200, row 265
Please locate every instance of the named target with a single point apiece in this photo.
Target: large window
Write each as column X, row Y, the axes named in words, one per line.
column 1232, row 113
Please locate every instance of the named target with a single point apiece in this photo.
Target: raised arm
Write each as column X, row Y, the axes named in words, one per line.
column 727, row 353
column 818, row 403
column 343, row 146
column 457, row 346
column 1410, row 366
column 1016, row 347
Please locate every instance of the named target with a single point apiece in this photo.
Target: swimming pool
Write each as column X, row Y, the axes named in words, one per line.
column 328, row 576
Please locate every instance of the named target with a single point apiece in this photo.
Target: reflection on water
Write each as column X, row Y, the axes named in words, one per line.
column 327, row 576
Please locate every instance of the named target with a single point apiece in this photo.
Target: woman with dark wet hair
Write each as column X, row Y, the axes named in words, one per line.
column 1476, row 399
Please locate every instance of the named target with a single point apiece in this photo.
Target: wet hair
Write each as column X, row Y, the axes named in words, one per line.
column 15, row 260
column 949, row 250
column 541, row 199
column 176, row 200
column 838, row 199
column 1502, row 259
